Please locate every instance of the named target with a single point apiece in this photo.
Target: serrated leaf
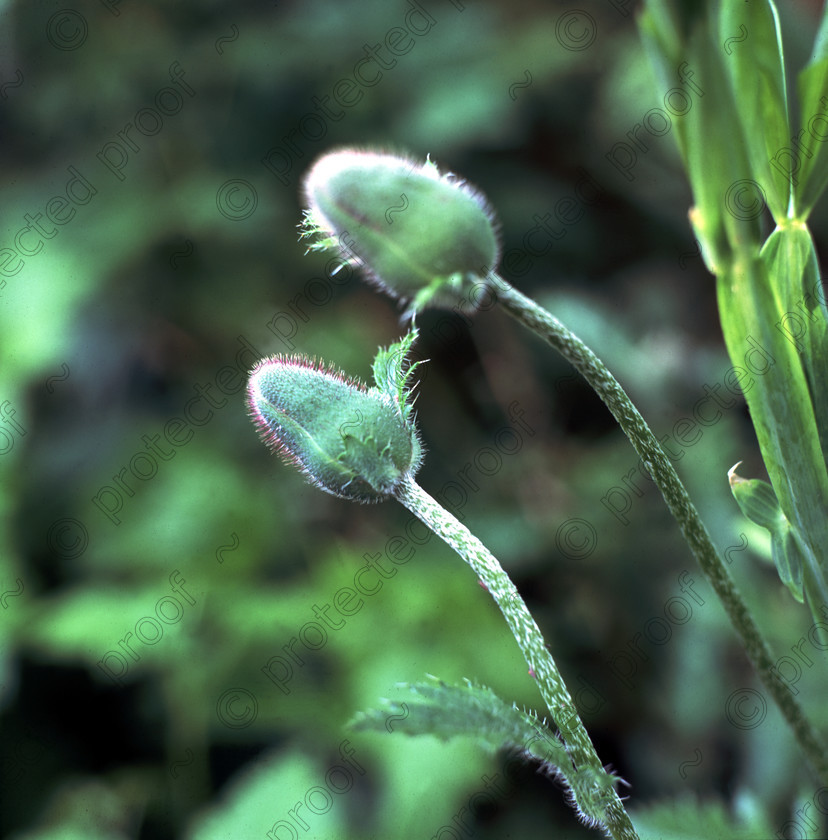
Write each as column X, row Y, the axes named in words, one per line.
column 473, row 711
column 393, row 372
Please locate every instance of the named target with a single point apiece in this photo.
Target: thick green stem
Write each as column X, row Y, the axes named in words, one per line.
column 529, row 638
column 551, row 330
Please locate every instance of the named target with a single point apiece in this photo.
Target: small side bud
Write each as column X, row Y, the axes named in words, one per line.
column 422, row 237
column 757, row 501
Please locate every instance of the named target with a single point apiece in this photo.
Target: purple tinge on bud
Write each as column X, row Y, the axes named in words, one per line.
column 348, row 440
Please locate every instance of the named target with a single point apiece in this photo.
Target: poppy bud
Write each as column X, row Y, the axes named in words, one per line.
column 422, row 237
column 355, row 442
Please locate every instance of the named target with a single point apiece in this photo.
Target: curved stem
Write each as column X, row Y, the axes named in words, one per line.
column 530, row 639
column 551, row 330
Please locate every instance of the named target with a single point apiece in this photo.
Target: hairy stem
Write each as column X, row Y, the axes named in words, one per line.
column 530, row 639
column 551, row 330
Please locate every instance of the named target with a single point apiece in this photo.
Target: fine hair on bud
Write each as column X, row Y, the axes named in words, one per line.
column 423, row 237
column 349, row 440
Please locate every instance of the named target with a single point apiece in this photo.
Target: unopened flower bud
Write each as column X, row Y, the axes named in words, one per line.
column 758, row 502
column 423, row 237
column 355, row 442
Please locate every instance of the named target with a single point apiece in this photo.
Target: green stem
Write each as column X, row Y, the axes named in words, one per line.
column 551, row 330
column 529, row 638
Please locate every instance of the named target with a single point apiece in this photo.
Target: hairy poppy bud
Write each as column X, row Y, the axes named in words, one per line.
column 355, row 442
column 422, row 237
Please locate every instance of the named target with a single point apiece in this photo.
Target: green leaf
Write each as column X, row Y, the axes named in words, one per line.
column 794, row 394
column 775, row 383
column 802, row 318
column 751, row 52
column 807, row 159
column 728, row 205
column 258, row 800
column 473, row 711
column 689, row 819
column 774, row 328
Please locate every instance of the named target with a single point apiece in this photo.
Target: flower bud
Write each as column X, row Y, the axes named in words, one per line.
column 757, row 501
column 422, row 237
column 354, row 442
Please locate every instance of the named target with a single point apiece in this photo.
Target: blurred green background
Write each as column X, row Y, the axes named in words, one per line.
column 156, row 561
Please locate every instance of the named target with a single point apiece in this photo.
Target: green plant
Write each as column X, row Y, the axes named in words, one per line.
column 739, row 143
column 430, row 240
column 362, row 445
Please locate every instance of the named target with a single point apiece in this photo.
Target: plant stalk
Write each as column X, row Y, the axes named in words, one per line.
column 551, row 330
column 529, row 638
